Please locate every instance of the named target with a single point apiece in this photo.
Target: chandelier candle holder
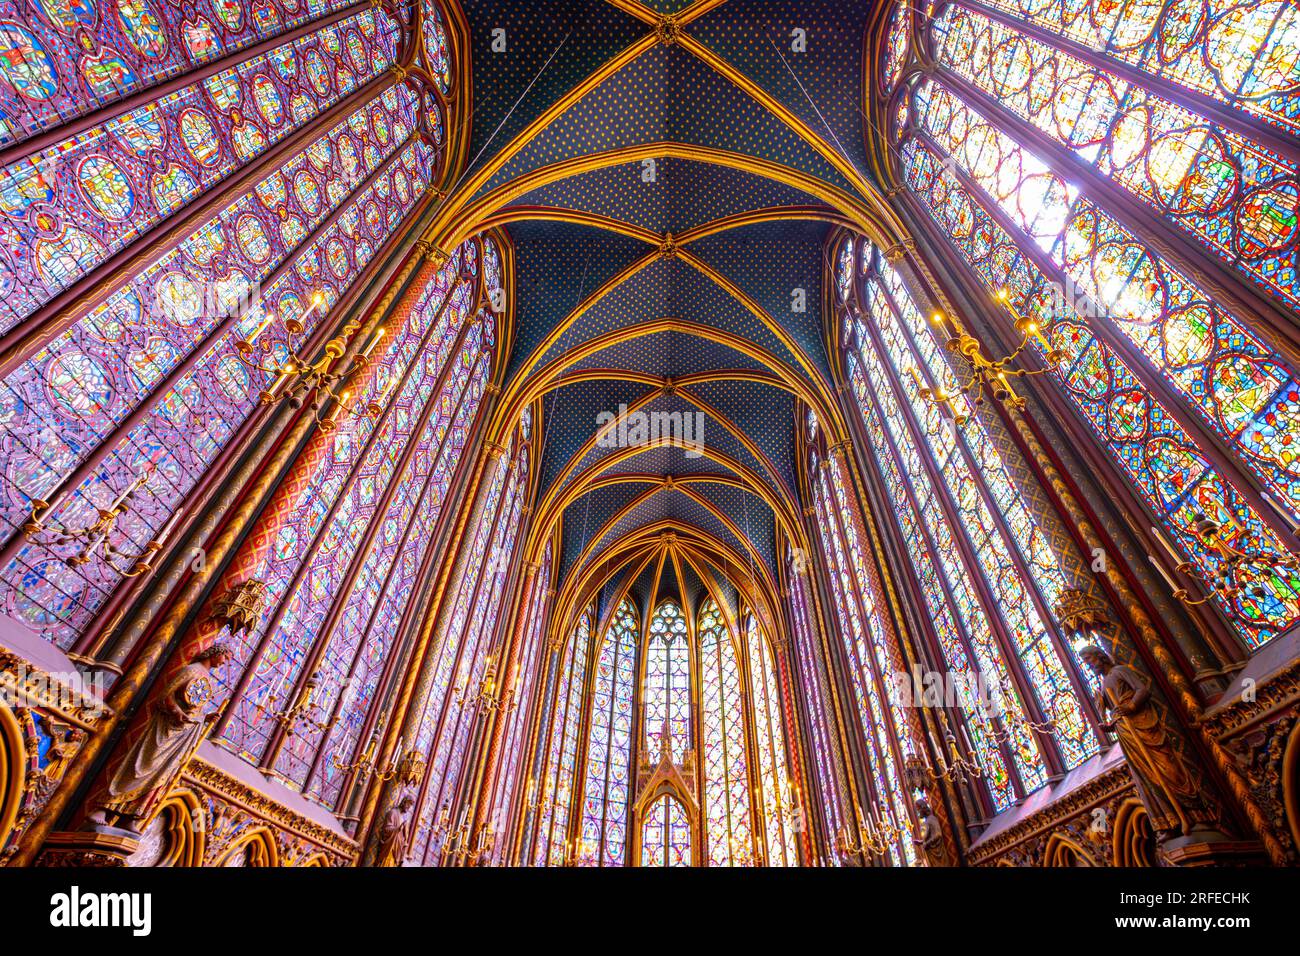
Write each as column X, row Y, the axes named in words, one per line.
column 982, row 372
column 958, row 766
column 300, row 381
column 455, row 840
column 96, row 540
column 1237, row 571
column 304, row 709
column 575, row 850
column 939, row 396
column 790, row 808
column 531, row 805
column 1010, row 719
column 484, row 843
column 490, row 696
column 365, row 767
column 876, row 832
column 544, row 799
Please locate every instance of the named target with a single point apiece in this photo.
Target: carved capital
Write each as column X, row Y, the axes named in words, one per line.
column 899, row 249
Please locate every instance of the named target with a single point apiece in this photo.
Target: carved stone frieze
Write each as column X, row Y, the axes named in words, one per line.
column 54, row 718
column 233, row 809
column 1072, row 818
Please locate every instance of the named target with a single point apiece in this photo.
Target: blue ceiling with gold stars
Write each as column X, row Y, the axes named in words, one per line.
column 668, row 172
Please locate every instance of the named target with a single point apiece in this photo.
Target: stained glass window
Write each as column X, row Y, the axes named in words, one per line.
column 609, row 743
column 525, row 691
column 782, row 803
column 728, row 821
column 667, row 685
column 98, row 190
column 983, row 563
column 1124, row 175
column 275, row 165
column 858, row 609
column 361, row 506
column 1241, row 54
column 467, row 641
column 666, row 834
column 818, row 706
column 552, row 845
column 967, row 458
column 69, row 57
column 897, row 43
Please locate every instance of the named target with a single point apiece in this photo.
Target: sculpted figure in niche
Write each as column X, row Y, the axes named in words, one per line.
column 1169, row 789
column 929, row 835
column 394, row 833
column 178, row 719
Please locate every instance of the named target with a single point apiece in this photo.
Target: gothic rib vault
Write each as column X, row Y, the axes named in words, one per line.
column 668, row 175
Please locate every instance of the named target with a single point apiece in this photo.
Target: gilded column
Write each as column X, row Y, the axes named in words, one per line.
column 483, row 796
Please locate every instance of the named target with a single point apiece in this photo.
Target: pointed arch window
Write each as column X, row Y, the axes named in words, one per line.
column 468, row 634
column 667, row 685
column 609, row 743
column 192, row 140
column 552, row 843
column 823, row 738
column 255, row 182
column 666, row 834
column 347, row 534
column 984, row 565
column 728, row 820
column 527, row 685
column 857, row 605
column 73, row 62
column 1141, row 210
column 780, row 796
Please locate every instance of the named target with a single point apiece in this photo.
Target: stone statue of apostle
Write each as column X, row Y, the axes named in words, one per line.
column 929, row 835
column 177, row 720
column 394, row 835
column 1168, row 788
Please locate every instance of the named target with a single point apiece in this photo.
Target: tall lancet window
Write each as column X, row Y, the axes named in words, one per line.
column 859, row 610
column 467, row 640
column 347, row 533
column 609, row 743
column 525, row 686
column 667, row 685
column 728, row 821
column 985, row 567
column 140, row 251
column 666, row 834
column 781, row 799
column 335, row 593
column 552, row 845
column 1124, row 177
column 825, row 753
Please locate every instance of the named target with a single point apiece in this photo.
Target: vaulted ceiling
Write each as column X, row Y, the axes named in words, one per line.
column 668, row 173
